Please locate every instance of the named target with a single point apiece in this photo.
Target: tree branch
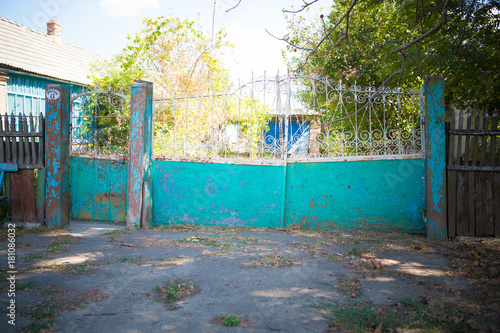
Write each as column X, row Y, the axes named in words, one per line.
column 306, row 4
column 233, row 7
column 465, row 26
column 429, row 32
column 289, row 43
column 346, row 15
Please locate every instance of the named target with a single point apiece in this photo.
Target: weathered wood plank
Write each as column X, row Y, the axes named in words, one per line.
column 14, row 141
column 474, row 168
column 489, row 204
column 40, row 196
column 2, row 150
column 20, row 142
column 462, row 203
column 484, row 139
column 483, row 204
column 467, row 139
column 22, row 193
column 475, row 145
column 493, row 140
column 452, row 140
column 452, row 203
column 470, row 210
column 41, row 142
column 496, row 198
column 459, row 139
column 32, row 141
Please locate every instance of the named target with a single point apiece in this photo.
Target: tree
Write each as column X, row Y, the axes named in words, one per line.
column 377, row 42
column 194, row 105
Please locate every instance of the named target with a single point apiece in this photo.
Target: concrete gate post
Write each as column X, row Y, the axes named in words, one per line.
column 57, row 136
column 435, row 157
column 139, row 209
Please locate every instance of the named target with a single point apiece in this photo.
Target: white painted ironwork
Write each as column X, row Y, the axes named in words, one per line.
column 100, row 125
column 288, row 118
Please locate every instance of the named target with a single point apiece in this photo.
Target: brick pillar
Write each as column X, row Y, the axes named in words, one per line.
column 3, row 92
column 57, row 133
column 139, row 172
column 435, row 157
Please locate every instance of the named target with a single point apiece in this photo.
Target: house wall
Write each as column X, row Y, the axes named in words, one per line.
column 26, row 94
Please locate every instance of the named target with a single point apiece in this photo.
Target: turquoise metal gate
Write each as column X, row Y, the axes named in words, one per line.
column 98, row 163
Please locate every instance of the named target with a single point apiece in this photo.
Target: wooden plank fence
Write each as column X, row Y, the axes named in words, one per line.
column 22, row 140
column 473, row 174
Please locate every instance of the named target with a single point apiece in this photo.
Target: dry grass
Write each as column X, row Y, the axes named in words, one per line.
column 272, row 261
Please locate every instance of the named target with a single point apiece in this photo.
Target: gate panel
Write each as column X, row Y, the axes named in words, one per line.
column 99, row 150
column 473, row 174
column 217, row 194
column 378, row 194
column 98, row 189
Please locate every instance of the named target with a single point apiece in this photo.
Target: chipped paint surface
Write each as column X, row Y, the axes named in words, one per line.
column 98, row 189
column 140, row 151
column 385, row 195
column 56, row 157
column 435, row 157
column 216, row 194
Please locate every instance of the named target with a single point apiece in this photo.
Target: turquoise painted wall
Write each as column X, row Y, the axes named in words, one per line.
column 217, row 194
column 26, row 94
column 383, row 194
column 98, row 189
column 380, row 194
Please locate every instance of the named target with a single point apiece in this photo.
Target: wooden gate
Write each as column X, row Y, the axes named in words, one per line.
column 473, row 174
column 22, row 143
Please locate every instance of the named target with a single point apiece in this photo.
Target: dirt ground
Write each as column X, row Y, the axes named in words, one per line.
column 201, row 279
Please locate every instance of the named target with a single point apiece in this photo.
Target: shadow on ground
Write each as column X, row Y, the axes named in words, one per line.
column 97, row 277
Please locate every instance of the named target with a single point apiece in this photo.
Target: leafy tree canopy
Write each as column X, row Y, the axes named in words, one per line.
column 176, row 55
column 381, row 42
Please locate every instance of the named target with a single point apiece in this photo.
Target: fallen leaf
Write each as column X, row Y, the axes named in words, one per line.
column 377, row 264
column 378, row 329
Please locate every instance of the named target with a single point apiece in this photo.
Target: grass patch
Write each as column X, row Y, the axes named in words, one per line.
column 175, row 290
column 39, row 326
column 58, row 245
column 75, row 269
column 219, row 253
column 357, row 252
column 204, row 241
column 409, row 314
column 131, row 259
column 229, row 320
column 349, row 286
column 272, row 261
column 43, row 313
column 115, row 233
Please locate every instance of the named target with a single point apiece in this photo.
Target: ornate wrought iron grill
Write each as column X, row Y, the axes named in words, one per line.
column 272, row 119
column 100, row 125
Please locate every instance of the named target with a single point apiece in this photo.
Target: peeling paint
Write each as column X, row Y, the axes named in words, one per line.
column 435, row 157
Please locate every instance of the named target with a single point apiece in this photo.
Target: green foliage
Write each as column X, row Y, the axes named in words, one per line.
column 464, row 49
column 175, row 290
column 230, row 320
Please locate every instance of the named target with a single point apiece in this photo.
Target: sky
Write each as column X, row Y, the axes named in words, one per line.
column 102, row 26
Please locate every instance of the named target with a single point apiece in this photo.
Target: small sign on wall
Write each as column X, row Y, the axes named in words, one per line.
column 53, row 94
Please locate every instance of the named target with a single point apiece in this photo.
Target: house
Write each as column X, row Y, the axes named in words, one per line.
column 303, row 129
column 30, row 59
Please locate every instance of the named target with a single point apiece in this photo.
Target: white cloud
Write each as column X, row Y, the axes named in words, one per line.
column 126, row 8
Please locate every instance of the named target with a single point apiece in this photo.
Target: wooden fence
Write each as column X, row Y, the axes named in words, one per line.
column 22, row 140
column 473, row 174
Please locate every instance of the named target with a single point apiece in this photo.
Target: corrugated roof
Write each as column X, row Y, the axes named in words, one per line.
column 28, row 50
